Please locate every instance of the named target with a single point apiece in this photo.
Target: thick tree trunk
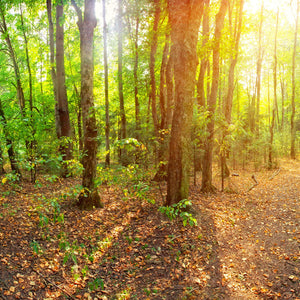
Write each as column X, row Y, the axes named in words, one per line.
column 62, row 99
column 89, row 198
column 107, row 122
column 185, row 19
column 207, row 185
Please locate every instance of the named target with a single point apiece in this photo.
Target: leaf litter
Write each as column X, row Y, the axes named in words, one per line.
column 245, row 246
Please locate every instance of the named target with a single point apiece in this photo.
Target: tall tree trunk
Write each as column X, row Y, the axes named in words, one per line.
column 270, row 162
column 161, row 173
column 282, row 86
column 184, row 16
column 170, row 88
column 89, row 198
column 62, row 99
column 229, row 96
column 152, row 65
column 135, row 74
column 207, row 185
column 107, row 122
column 258, row 69
column 52, row 64
column 293, row 127
column 205, row 58
column 32, row 142
column 122, row 134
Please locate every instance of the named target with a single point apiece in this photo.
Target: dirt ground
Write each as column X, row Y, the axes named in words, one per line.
column 246, row 244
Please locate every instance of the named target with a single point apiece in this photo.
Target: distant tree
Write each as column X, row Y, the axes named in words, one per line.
column 122, row 133
column 107, row 122
column 293, row 127
column 273, row 116
column 207, row 185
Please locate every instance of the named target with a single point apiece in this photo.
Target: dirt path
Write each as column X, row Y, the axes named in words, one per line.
column 256, row 236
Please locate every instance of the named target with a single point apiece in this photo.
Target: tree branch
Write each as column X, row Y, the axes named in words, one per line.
column 79, row 13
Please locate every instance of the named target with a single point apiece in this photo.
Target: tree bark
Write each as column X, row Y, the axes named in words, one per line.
column 122, row 135
column 62, row 99
column 184, row 16
column 52, row 64
column 152, row 65
column 161, row 173
column 258, row 69
column 270, row 162
column 229, row 96
column 135, row 74
column 205, row 58
column 293, row 127
column 32, row 142
column 207, row 185
column 107, row 122
column 89, row 198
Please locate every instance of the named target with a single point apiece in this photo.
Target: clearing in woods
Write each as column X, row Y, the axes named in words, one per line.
column 246, row 244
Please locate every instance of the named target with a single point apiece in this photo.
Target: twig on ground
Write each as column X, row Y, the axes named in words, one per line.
column 52, row 283
column 274, row 174
column 254, row 185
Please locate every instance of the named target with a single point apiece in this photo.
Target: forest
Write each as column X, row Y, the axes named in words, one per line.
column 149, row 149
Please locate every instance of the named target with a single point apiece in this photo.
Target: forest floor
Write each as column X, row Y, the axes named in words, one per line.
column 245, row 246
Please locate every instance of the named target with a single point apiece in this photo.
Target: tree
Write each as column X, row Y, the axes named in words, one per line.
column 293, row 127
column 274, row 109
column 157, row 12
column 64, row 131
column 185, row 17
column 89, row 197
column 258, row 67
column 107, row 123
column 32, row 141
column 122, row 134
column 207, row 185
column 205, row 56
column 236, row 35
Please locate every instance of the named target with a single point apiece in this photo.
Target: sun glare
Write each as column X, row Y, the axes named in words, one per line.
column 287, row 8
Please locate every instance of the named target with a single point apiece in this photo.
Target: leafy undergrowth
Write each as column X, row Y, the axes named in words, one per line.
column 245, row 245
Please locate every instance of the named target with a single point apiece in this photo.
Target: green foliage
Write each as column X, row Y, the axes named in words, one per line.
column 179, row 210
column 37, row 249
column 96, row 284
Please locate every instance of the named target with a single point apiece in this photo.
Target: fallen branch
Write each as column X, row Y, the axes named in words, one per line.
column 274, row 174
column 52, row 283
column 255, row 183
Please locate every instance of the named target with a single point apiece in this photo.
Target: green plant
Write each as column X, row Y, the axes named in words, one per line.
column 96, row 283
column 37, row 249
column 179, row 210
